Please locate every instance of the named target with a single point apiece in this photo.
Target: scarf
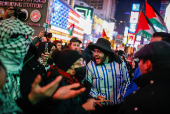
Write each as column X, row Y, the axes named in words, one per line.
column 70, row 79
column 15, row 39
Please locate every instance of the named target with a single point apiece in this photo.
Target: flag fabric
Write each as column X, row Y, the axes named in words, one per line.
column 155, row 18
column 145, row 27
column 104, row 35
column 71, row 29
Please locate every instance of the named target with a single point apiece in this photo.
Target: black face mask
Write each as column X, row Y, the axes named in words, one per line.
column 80, row 73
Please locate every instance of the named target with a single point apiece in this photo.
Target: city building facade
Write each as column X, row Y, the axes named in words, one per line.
column 106, row 8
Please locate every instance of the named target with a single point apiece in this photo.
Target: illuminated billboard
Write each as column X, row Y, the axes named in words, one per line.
column 167, row 17
column 36, row 11
column 130, row 39
column 138, row 38
column 134, row 17
column 132, row 28
column 61, row 18
column 126, row 30
column 86, row 12
column 135, row 7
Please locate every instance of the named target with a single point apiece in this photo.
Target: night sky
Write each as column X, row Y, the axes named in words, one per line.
column 123, row 6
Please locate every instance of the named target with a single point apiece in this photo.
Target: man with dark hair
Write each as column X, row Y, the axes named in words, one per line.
column 58, row 44
column 153, row 84
column 75, row 44
column 161, row 36
column 157, row 36
column 108, row 76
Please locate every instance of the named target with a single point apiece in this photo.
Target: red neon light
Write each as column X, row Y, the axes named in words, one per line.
column 131, row 39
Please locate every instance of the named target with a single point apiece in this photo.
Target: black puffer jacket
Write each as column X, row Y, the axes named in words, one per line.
column 72, row 105
column 30, row 70
column 152, row 96
column 28, row 74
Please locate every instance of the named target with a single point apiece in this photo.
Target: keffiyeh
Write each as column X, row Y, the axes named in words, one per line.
column 15, row 38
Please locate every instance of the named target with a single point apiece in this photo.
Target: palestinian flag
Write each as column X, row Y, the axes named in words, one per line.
column 104, row 35
column 155, row 19
column 145, row 27
column 71, row 29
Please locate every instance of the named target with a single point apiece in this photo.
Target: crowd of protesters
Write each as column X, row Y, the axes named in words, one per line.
column 40, row 76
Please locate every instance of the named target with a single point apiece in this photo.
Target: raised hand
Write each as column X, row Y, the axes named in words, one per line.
column 8, row 13
column 38, row 93
column 41, row 34
column 67, row 92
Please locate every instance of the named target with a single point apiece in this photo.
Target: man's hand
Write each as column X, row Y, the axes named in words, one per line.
column 90, row 104
column 8, row 13
column 45, row 58
column 38, row 93
column 67, row 92
column 41, row 34
column 101, row 98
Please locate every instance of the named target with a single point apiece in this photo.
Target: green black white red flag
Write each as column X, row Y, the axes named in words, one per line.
column 155, row 18
column 145, row 27
column 71, row 29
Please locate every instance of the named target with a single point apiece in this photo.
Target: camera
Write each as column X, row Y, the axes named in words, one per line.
column 48, row 35
column 19, row 14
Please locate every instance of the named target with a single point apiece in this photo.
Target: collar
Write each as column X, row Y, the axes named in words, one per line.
column 106, row 60
column 54, row 71
column 152, row 77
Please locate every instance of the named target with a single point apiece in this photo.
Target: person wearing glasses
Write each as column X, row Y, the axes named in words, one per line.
column 70, row 64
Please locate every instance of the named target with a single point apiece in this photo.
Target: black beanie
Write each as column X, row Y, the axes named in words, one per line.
column 66, row 58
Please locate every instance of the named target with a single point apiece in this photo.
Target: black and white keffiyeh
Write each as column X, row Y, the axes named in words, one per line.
column 15, row 38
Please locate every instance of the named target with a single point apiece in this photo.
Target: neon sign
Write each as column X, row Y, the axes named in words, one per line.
column 135, row 7
column 131, row 39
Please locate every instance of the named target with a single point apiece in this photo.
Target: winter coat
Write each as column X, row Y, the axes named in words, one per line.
column 72, row 105
column 30, row 71
column 28, row 74
column 152, row 97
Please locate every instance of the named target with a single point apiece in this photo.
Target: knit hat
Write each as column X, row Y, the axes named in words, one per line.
column 64, row 59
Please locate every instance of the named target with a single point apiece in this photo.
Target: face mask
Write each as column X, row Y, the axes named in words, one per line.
column 80, row 73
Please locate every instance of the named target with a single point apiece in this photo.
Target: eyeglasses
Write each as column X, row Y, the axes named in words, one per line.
column 80, row 64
